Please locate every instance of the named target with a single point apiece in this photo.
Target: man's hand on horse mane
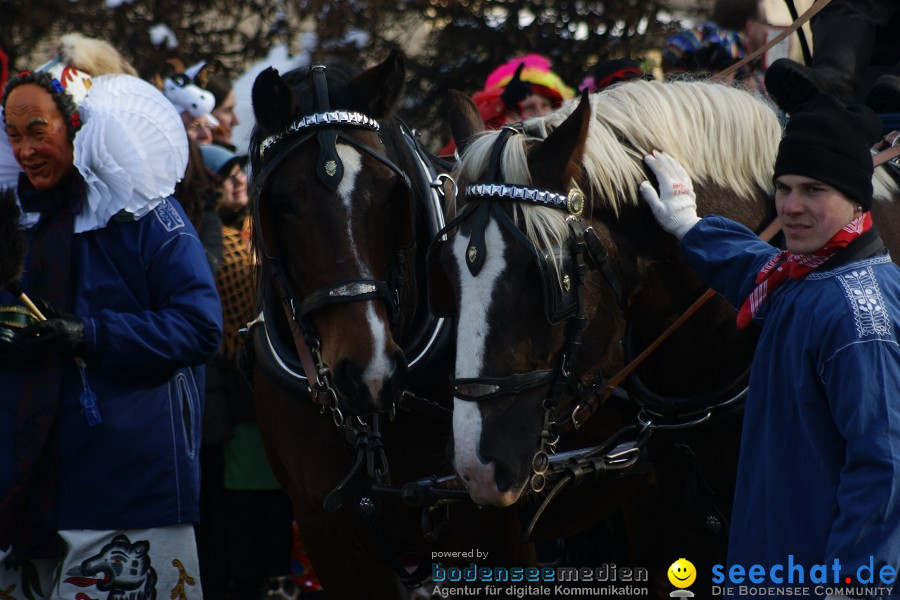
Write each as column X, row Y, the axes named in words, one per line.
column 675, row 206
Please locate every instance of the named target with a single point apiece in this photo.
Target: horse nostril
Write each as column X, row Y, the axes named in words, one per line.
column 506, row 476
column 351, row 388
column 397, row 381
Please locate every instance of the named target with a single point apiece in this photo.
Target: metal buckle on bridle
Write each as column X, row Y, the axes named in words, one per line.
column 441, row 181
column 576, row 412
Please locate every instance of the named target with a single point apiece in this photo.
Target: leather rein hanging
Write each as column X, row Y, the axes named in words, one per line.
column 326, row 127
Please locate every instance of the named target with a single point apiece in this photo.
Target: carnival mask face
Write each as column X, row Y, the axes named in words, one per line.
column 38, row 136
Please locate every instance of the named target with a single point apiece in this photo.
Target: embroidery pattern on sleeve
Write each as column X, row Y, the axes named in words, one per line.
column 865, row 299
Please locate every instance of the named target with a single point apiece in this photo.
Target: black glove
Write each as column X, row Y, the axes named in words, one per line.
column 61, row 332
column 516, row 90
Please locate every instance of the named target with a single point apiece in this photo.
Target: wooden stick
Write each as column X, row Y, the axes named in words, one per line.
column 15, row 289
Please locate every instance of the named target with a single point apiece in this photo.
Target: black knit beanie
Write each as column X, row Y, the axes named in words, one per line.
column 831, row 143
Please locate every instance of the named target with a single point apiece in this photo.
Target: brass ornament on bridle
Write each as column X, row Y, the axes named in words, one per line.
column 575, row 202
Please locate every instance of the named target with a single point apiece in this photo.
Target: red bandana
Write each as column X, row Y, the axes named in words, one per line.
column 796, row 266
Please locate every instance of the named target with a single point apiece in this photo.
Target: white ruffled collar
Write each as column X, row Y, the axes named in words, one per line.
column 131, row 151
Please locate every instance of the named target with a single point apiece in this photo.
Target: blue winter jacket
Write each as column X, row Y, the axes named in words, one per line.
column 819, row 467
column 152, row 319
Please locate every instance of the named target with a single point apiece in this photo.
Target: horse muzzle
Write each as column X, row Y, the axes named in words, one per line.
column 366, row 390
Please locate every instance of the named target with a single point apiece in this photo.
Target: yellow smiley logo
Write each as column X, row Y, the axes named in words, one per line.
column 682, row 573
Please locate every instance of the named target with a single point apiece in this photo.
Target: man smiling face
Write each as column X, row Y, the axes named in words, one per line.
column 38, row 135
column 811, row 212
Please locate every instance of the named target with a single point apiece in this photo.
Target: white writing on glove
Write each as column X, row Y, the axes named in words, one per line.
column 675, row 207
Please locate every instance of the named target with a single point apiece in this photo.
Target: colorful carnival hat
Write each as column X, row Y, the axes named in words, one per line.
column 76, row 83
column 537, row 72
column 129, row 142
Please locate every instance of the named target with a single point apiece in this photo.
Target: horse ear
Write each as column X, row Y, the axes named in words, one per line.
column 273, row 101
column 557, row 160
column 465, row 120
column 380, row 88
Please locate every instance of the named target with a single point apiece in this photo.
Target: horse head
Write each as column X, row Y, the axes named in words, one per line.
column 333, row 215
column 516, row 278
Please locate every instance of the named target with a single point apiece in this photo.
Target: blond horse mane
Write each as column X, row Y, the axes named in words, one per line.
column 719, row 133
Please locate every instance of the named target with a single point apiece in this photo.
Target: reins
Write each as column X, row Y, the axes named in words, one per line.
column 598, row 395
column 809, row 14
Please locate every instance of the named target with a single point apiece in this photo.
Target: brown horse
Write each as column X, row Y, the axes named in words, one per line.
column 554, row 293
column 344, row 205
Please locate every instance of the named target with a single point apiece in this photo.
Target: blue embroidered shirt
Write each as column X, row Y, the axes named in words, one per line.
column 819, row 467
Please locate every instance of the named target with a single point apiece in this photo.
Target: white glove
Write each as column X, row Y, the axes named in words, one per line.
column 675, row 208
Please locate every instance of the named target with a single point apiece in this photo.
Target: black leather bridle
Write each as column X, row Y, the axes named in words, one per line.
column 583, row 243
column 326, row 127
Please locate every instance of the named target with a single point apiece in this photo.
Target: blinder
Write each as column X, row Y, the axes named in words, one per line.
column 560, row 302
column 558, row 287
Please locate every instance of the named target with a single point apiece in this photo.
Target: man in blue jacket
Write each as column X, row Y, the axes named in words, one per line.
column 100, row 404
column 819, row 468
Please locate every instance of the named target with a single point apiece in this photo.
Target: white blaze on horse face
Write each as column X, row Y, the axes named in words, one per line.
column 352, row 165
column 381, row 367
column 476, row 296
